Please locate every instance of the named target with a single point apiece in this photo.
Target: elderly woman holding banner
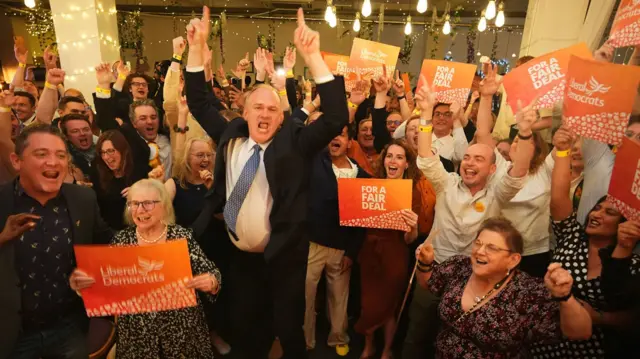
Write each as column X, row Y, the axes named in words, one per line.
column 179, row 333
column 489, row 308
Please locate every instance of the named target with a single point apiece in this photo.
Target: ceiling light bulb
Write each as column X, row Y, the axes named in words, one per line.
column 30, row 3
column 491, row 10
column 500, row 17
column 356, row 24
column 482, row 25
column 328, row 14
column 334, row 20
column 366, row 8
column 446, row 29
column 407, row 27
column 422, row 6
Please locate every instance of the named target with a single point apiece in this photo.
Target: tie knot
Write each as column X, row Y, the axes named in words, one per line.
column 257, row 148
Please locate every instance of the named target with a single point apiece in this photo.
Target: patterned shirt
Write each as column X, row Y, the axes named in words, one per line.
column 44, row 261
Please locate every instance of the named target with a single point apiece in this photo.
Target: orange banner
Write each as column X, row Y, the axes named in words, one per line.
column 136, row 279
column 406, row 82
column 624, row 188
column 451, row 81
column 599, row 97
column 374, row 203
column 369, row 56
column 625, row 30
column 543, row 76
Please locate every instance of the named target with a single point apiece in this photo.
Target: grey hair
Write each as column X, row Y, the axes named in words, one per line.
column 163, row 196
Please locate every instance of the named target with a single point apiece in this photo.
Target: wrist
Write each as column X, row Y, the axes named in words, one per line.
column 562, row 299
column 486, row 96
column 49, row 85
column 105, row 86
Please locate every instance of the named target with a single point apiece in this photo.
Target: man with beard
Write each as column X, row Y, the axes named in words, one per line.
column 77, row 129
column 333, row 248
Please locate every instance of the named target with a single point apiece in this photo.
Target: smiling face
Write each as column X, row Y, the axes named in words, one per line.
column 603, row 220
column 490, row 255
column 340, row 144
column 411, row 133
column 477, row 165
column 442, row 119
column 395, row 162
column 24, row 109
column 263, row 114
column 139, row 88
column 146, row 122
column 79, row 134
column 111, row 157
column 393, row 121
column 365, row 135
column 201, row 157
column 43, row 165
column 145, row 207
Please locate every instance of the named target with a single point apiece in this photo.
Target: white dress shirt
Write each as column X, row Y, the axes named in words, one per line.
column 253, row 228
column 459, row 214
column 451, row 147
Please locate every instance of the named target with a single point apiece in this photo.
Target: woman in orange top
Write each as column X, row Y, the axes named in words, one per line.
column 384, row 257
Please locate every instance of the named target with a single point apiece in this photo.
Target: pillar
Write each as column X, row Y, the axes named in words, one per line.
column 87, row 34
column 552, row 25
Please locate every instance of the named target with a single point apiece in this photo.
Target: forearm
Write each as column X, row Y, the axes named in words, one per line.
column 18, row 77
column 7, row 146
column 405, row 110
column 635, row 57
column 561, row 206
column 423, row 278
column 318, row 67
column 575, row 321
column 410, row 237
column 522, row 158
column 171, row 91
column 467, row 113
column 485, row 121
column 381, row 100
column 542, row 123
column 47, row 105
column 284, row 101
column 424, row 137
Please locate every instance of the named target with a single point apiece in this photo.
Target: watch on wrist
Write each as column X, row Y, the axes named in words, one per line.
column 524, row 138
column 562, row 299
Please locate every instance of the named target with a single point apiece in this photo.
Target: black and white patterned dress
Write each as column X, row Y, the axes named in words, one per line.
column 573, row 252
column 179, row 333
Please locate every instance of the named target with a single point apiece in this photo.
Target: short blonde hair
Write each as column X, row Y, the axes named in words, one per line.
column 163, row 197
column 182, row 169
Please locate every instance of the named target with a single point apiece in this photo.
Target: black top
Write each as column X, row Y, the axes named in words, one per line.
column 188, row 202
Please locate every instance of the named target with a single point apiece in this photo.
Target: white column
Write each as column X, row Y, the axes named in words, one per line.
column 553, row 24
column 87, row 34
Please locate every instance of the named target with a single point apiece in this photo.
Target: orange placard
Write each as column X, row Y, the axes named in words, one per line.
column 624, row 188
column 374, row 203
column 336, row 63
column 406, row 82
column 450, row 81
column 543, row 76
column 136, row 279
column 599, row 97
column 369, row 56
column 625, row 30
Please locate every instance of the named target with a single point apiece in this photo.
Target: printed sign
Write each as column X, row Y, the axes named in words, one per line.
column 136, row 279
column 367, row 58
column 336, row 63
column 542, row 77
column 625, row 30
column 450, row 81
column 374, row 203
column 599, row 97
column 624, row 188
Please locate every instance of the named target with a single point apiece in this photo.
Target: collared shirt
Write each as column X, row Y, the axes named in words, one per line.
column 451, row 147
column 28, row 122
column 459, row 214
column 253, row 228
column 44, row 262
column 345, row 172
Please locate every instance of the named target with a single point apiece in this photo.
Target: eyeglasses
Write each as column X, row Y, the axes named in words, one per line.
column 140, row 84
column 110, row 152
column 202, row 155
column 396, row 122
column 489, row 248
column 147, row 205
column 442, row 114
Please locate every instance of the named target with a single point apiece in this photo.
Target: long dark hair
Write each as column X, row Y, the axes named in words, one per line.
column 126, row 158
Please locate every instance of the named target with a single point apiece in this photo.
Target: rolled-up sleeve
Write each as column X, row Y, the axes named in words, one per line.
column 460, row 144
column 434, row 171
column 507, row 187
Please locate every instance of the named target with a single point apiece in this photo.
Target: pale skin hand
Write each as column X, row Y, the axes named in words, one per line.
column 20, row 49
column 179, row 45
column 103, row 75
column 7, row 99
column 205, row 283
column 50, row 59
column 558, row 280
column 260, row 62
column 241, row 67
column 157, row 173
column 604, row 53
column 490, row 84
column 80, row 280
column 289, row 60
column 207, row 177
column 55, row 76
column 398, row 85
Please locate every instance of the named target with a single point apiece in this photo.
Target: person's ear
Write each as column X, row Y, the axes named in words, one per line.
column 492, row 168
column 15, row 161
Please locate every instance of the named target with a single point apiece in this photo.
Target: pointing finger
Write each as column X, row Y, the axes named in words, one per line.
column 301, row 21
column 206, row 14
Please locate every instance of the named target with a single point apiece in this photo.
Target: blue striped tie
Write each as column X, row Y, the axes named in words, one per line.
column 239, row 193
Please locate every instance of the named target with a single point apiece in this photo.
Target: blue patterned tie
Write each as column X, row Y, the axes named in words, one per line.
column 239, row 193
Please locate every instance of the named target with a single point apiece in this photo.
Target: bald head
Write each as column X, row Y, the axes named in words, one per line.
column 478, row 164
column 481, row 149
column 260, row 91
column 263, row 113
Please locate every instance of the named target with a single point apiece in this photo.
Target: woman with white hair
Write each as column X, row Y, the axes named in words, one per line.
column 178, row 333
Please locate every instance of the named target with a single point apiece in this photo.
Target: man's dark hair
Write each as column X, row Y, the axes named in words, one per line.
column 22, row 141
column 633, row 120
column 72, row 117
column 66, row 99
column 139, row 103
column 32, row 100
column 438, row 105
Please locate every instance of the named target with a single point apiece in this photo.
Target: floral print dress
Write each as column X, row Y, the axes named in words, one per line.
column 179, row 333
column 573, row 252
column 521, row 314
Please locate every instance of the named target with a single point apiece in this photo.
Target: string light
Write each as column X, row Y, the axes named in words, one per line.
column 491, row 10
column 446, row 29
column 328, row 13
column 407, row 27
column 366, row 8
column 500, row 18
column 356, row 23
column 422, row 6
column 482, row 24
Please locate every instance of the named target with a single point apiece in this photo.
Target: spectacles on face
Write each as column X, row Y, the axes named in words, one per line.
column 396, row 122
column 632, row 135
column 147, row 205
column 442, row 114
column 110, row 152
column 139, row 84
column 490, row 248
column 202, row 155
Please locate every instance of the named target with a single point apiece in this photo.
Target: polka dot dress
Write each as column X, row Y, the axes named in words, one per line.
column 573, row 252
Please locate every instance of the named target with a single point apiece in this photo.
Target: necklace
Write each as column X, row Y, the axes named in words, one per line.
column 479, row 300
column 141, row 237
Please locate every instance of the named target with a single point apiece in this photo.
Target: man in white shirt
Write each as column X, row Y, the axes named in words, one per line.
column 261, row 186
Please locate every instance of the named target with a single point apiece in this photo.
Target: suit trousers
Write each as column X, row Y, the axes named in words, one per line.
column 266, row 300
column 424, row 324
column 329, row 260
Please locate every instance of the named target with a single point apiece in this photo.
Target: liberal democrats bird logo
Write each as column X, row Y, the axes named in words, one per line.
column 596, row 87
column 147, row 265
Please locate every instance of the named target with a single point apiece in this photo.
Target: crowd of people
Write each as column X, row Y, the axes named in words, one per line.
column 515, row 248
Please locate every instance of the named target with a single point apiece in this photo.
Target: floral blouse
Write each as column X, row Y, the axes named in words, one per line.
column 504, row 327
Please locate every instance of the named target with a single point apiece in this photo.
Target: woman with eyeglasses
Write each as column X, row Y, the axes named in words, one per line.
column 489, row 308
column 178, row 333
column 116, row 167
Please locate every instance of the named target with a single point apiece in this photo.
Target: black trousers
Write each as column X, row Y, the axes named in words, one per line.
column 267, row 300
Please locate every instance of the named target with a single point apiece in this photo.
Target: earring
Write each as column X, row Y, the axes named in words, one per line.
column 508, row 272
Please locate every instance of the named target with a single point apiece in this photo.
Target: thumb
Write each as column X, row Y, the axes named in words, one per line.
column 246, row 56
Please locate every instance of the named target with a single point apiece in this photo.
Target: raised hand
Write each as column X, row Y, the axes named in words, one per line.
column 563, row 139
column 104, row 75
column 306, row 40
column 490, row 84
column 425, row 98
column 16, row 225
column 7, row 98
column 424, row 253
column 198, row 29
column 558, row 280
column 357, row 95
column 270, row 66
column 260, row 60
column 306, row 85
column 241, row 67
column 221, row 74
column 20, row 49
column 526, row 116
column 179, row 45
column 207, row 177
column 278, row 81
column 50, row 59
column 205, row 283
column 604, row 53
column 80, row 280
column 382, row 83
column 289, row 60
column 55, row 76
column 628, row 234
column 474, row 96
column 398, row 85
column 456, row 110
column 123, row 70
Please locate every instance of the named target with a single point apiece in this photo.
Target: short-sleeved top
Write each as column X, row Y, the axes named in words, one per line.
column 573, row 252
column 521, row 314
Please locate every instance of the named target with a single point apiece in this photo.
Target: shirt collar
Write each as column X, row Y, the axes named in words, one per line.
column 30, row 120
column 252, row 143
column 20, row 191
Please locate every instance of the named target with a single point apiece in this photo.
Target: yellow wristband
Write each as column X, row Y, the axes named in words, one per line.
column 564, row 153
column 352, row 105
column 5, row 109
column 103, row 91
column 22, row 65
column 50, row 86
column 122, row 77
column 290, row 74
column 177, row 57
column 427, row 128
column 282, row 92
column 224, row 83
column 308, row 94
